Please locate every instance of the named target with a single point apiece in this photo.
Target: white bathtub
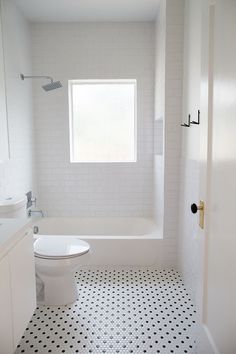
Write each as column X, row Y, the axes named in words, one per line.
column 113, row 241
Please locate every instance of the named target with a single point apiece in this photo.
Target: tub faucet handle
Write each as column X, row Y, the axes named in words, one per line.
column 31, row 212
column 34, row 200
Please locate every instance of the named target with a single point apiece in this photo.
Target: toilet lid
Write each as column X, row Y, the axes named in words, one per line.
column 57, row 247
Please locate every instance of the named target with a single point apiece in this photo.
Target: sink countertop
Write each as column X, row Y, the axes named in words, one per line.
column 12, row 231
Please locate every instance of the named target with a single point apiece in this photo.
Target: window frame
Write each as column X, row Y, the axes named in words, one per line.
column 71, row 83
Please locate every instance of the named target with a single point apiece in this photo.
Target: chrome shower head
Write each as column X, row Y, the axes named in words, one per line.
column 48, row 87
column 52, row 86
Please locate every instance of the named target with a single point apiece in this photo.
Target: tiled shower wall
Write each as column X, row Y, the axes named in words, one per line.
column 168, row 115
column 159, row 98
column 173, row 114
column 92, row 51
column 16, row 175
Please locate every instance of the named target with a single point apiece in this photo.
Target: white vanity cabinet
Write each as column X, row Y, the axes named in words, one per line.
column 6, row 337
column 17, row 292
column 22, row 271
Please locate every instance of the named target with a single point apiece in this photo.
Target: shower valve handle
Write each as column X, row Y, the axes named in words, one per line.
column 34, row 200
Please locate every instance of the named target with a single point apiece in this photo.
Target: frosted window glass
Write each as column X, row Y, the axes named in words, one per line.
column 103, row 121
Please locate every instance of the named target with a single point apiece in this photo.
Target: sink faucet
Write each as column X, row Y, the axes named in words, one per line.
column 31, row 212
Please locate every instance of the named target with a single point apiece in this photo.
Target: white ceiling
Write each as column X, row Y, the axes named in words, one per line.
column 88, row 10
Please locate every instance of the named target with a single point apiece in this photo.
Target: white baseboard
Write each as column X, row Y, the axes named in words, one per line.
column 206, row 342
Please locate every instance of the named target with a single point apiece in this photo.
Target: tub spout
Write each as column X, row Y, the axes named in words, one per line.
column 31, row 212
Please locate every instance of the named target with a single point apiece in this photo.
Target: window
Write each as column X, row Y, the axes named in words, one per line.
column 102, row 120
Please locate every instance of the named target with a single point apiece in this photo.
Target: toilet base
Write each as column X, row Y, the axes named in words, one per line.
column 59, row 290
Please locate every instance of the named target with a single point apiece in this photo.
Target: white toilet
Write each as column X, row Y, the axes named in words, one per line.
column 56, row 259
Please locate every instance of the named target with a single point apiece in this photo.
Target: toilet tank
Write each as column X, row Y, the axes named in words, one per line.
column 13, row 207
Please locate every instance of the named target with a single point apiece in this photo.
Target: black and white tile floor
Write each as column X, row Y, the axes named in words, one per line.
column 119, row 310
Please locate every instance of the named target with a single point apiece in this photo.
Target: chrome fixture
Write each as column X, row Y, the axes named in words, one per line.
column 36, row 230
column 30, row 200
column 31, row 212
column 48, row 87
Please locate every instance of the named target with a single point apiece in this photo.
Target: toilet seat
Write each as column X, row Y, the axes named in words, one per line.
column 59, row 247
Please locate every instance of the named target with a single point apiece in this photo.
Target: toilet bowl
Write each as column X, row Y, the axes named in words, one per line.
column 56, row 260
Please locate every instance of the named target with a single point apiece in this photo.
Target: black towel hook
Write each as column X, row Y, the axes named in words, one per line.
column 185, row 124
column 198, row 118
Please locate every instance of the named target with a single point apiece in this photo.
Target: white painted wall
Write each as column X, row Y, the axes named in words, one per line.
column 92, row 51
column 189, row 247
column 16, row 175
column 168, row 115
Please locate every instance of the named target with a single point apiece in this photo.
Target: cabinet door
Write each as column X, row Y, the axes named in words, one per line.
column 6, row 333
column 22, row 270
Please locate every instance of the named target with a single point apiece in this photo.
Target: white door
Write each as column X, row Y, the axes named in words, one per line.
column 218, row 179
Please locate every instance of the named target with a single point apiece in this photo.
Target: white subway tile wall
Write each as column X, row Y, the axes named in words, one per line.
column 173, row 114
column 159, row 99
column 168, row 107
column 97, row 51
column 92, row 51
column 17, row 175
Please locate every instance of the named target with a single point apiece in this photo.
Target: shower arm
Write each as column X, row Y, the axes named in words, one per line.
column 23, row 77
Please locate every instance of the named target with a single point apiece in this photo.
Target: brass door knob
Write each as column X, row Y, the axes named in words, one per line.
column 195, row 208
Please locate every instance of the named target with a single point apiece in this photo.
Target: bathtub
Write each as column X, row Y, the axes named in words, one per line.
column 113, row 241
